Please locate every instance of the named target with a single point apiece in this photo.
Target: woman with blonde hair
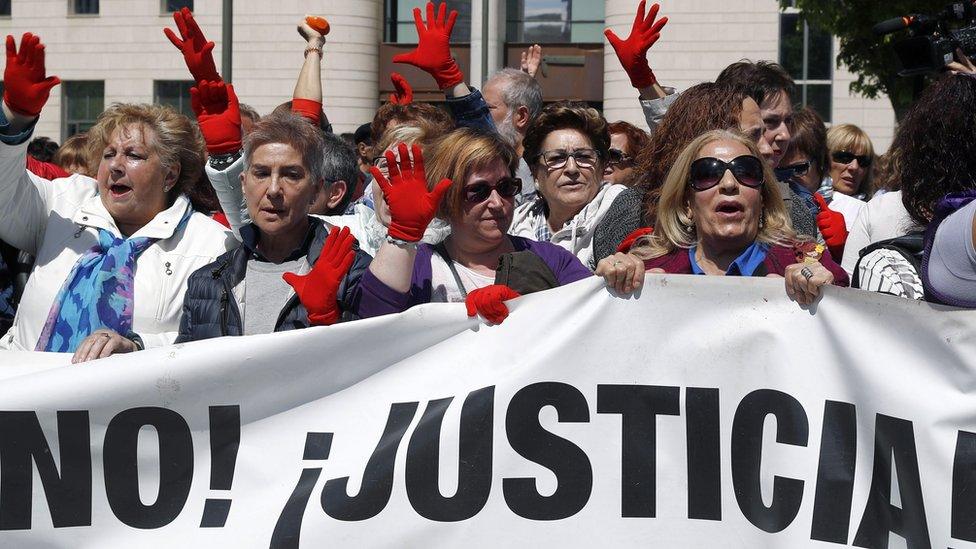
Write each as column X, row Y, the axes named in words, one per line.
column 851, row 159
column 479, row 263
column 114, row 252
column 721, row 213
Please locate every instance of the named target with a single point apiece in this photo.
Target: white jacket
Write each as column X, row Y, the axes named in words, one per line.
column 58, row 221
column 577, row 235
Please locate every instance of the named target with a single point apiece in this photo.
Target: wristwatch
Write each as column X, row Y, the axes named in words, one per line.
column 221, row 162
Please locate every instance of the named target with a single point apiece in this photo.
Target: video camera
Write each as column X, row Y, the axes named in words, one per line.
column 932, row 41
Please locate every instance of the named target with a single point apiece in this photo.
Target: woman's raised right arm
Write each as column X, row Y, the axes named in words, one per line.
column 24, row 199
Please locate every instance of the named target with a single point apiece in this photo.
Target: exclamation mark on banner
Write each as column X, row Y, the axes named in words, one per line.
column 225, row 439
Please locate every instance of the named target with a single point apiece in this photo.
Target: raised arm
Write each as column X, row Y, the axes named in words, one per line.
column 196, row 49
column 307, row 98
column 24, row 199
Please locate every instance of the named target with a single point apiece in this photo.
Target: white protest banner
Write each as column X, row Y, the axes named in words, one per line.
column 704, row 412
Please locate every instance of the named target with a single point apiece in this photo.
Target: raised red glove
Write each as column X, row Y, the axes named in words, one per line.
column 433, row 53
column 412, row 206
column 317, row 290
column 489, row 302
column 632, row 52
column 404, row 93
column 832, row 226
column 197, row 51
column 25, row 89
column 628, row 242
column 219, row 115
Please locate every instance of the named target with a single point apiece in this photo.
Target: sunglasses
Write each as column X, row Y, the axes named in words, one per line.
column 617, row 156
column 800, row 168
column 844, row 157
column 507, row 187
column 584, row 158
column 708, row 172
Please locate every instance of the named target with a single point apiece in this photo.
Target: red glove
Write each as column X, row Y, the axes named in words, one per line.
column 632, row 52
column 629, row 240
column 433, row 53
column 219, row 115
column 832, row 226
column 404, row 93
column 489, row 302
column 317, row 290
column 411, row 205
column 197, row 51
column 25, row 89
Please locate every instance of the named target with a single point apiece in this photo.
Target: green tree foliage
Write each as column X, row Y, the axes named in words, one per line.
column 865, row 54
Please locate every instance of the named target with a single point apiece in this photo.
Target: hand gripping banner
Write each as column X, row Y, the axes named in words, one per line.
column 703, row 412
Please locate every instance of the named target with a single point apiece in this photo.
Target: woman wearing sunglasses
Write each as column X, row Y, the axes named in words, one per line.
column 721, row 213
column 851, row 157
column 479, row 263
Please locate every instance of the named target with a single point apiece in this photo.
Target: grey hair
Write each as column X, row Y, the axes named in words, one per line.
column 339, row 164
column 522, row 89
column 292, row 130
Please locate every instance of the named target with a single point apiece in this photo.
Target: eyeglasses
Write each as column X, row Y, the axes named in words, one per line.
column 708, row 172
column 800, row 168
column 507, row 187
column 616, row 157
column 379, row 162
column 557, row 158
column 844, row 157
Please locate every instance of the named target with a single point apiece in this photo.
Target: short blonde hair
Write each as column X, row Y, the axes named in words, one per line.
column 850, row 138
column 176, row 139
column 456, row 156
column 675, row 230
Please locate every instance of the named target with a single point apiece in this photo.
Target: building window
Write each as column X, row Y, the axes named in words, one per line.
column 81, row 103
column 554, row 21
column 807, row 53
column 83, row 7
column 175, row 93
column 169, row 6
column 4, row 8
column 399, row 26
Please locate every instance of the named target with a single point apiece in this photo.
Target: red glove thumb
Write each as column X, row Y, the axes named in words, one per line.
column 821, row 202
column 404, row 93
column 628, row 242
column 489, row 302
column 832, row 226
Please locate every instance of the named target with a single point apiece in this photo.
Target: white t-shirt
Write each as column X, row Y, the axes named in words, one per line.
column 443, row 285
column 848, row 206
column 883, row 217
column 952, row 261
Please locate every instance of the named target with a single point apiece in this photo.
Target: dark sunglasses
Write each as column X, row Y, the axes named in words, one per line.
column 844, row 157
column 708, row 172
column 507, row 187
column 800, row 168
column 617, row 156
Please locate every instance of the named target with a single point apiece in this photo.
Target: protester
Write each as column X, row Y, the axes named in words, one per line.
column 806, row 162
column 341, row 173
column 515, row 100
column 720, row 213
column 73, row 155
column 851, row 159
column 480, row 263
column 936, row 144
column 290, row 271
column 930, row 160
column 626, row 140
column 701, row 108
column 98, row 240
column 567, row 147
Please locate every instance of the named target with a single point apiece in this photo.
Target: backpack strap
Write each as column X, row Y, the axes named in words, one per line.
column 442, row 251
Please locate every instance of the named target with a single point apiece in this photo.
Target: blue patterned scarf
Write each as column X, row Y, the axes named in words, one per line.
column 97, row 293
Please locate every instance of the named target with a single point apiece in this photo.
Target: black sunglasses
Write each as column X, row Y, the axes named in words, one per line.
column 708, row 172
column 844, row 157
column 800, row 168
column 507, row 187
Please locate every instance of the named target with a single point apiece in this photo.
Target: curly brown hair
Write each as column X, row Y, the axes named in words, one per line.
column 566, row 115
column 701, row 108
column 434, row 121
column 936, row 144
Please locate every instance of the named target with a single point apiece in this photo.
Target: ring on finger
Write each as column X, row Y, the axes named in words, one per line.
column 807, row 273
